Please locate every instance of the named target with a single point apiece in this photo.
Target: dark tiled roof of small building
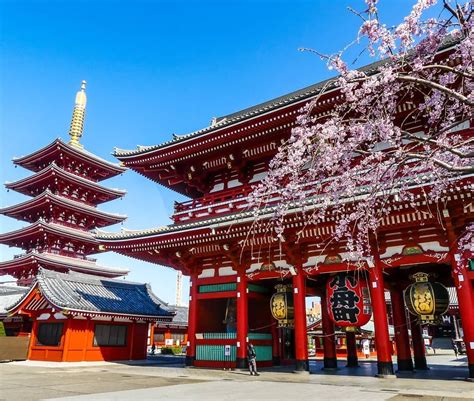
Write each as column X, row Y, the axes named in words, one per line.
column 10, row 295
column 181, row 317
column 181, row 313
column 77, row 292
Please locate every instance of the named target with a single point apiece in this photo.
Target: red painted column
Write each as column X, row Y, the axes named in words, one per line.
column 465, row 294
column 33, row 336
column 382, row 338
column 301, row 337
column 418, row 344
column 275, row 344
column 242, row 319
column 66, row 336
column 132, row 340
column 352, row 359
column 192, row 321
column 329, row 338
column 402, row 339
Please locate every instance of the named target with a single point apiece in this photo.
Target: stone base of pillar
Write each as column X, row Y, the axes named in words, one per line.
column 352, row 362
column 420, row 363
column 471, row 371
column 276, row 361
column 385, row 369
column 330, row 363
column 404, row 365
column 189, row 361
column 301, row 366
column 241, row 363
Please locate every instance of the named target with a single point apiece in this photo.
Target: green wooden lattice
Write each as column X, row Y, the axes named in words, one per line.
column 217, row 287
column 215, row 353
column 219, row 336
column 260, row 336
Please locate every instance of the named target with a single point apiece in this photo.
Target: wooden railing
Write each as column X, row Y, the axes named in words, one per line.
column 213, row 204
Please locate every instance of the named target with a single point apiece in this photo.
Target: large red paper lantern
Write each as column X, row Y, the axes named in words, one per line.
column 348, row 300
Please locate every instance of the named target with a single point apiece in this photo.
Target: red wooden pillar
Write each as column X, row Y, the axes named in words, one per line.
column 465, row 294
column 301, row 337
column 464, row 290
column 192, row 321
column 329, row 338
column 382, row 338
column 275, row 344
column 402, row 339
column 152, row 334
column 418, row 344
column 66, row 336
column 33, row 336
column 352, row 360
column 242, row 319
column 132, row 340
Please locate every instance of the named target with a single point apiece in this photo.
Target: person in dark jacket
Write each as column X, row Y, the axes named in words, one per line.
column 252, row 357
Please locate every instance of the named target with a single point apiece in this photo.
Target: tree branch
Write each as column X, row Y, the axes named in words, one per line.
column 436, row 86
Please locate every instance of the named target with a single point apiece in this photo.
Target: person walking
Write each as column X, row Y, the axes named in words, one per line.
column 252, row 358
column 366, row 347
column 455, row 347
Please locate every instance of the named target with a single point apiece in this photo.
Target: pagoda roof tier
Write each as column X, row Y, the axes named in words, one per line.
column 58, row 150
column 34, row 232
column 88, row 295
column 40, row 206
column 54, row 178
column 31, row 262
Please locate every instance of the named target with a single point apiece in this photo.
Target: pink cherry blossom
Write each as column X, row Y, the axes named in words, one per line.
column 398, row 136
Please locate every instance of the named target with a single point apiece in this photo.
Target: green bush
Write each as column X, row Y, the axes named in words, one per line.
column 175, row 350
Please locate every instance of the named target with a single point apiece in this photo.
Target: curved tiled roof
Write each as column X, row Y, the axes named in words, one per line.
column 224, row 121
column 53, row 168
column 182, row 314
column 39, row 226
column 65, row 202
column 9, row 295
column 50, row 261
column 24, row 161
column 76, row 292
column 265, row 107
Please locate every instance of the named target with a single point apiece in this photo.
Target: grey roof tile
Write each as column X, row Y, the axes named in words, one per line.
column 9, row 295
column 86, row 293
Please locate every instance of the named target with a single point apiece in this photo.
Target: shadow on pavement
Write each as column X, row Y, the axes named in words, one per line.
column 443, row 369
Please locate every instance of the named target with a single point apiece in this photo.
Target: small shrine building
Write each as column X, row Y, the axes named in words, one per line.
column 83, row 317
column 234, row 275
column 174, row 333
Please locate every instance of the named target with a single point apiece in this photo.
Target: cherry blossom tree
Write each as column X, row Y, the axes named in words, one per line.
column 397, row 127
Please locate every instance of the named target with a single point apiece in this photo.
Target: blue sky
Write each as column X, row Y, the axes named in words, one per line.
column 153, row 68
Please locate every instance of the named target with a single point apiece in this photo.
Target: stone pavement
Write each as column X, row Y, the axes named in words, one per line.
column 166, row 379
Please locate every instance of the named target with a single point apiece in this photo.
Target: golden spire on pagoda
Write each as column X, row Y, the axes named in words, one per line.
column 78, row 116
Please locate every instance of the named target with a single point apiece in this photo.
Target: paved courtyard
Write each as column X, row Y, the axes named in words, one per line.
column 166, row 379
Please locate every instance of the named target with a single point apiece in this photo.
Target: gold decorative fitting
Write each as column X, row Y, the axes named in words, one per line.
column 420, row 277
column 268, row 267
column 78, row 116
column 412, row 250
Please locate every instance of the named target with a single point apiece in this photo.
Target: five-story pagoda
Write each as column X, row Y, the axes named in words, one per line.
column 62, row 209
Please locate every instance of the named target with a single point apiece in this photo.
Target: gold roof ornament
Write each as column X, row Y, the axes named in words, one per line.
column 78, row 116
